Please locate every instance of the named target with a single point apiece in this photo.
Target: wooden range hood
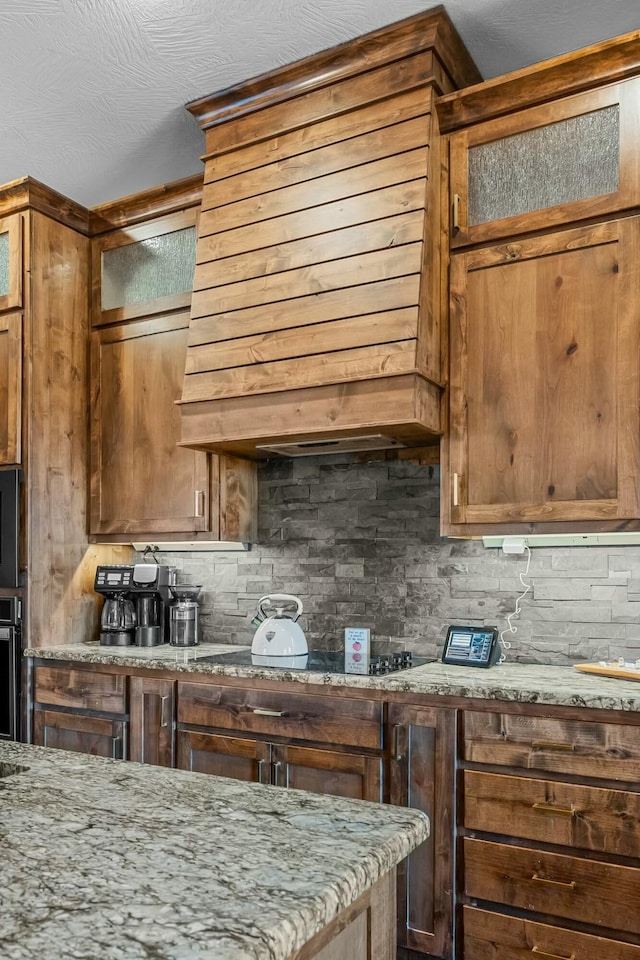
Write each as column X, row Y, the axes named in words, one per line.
column 316, row 307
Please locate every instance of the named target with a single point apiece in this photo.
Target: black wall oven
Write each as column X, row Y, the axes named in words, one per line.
column 9, row 528
column 10, row 668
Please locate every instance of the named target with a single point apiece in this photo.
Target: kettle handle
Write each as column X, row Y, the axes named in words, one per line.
column 280, row 596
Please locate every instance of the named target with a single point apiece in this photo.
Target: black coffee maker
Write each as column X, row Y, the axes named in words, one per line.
column 136, row 606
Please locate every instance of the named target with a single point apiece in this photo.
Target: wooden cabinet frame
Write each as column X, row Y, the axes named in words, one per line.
column 627, row 95
column 13, row 226
column 11, row 381
column 134, row 234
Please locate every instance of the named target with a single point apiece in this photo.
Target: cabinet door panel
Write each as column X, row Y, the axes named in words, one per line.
column 142, row 482
column 422, row 776
column 65, row 731
column 11, row 262
column 546, row 165
column 232, row 757
column 544, row 381
column 144, row 269
column 10, row 387
column 328, row 772
column 151, row 711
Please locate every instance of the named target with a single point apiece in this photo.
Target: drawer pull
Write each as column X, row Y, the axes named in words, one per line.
column 551, row 956
column 556, row 883
column 549, row 808
column 261, row 712
column 550, row 745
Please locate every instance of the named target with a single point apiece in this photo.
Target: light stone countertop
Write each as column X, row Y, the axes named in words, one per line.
column 121, row 861
column 523, row 683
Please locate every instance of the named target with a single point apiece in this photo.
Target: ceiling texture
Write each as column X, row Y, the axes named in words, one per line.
column 92, row 92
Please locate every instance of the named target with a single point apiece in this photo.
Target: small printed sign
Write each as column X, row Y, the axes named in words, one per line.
column 357, row 647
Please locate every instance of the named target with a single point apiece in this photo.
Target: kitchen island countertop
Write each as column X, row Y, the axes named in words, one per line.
column 122, row 861
column 515, row 682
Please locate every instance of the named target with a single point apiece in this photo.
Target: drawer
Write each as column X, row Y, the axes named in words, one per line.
column 66, row 687
column 271, row 713
column 605, row 750
column 592, row 818
column 488, row 936
column 602, row 894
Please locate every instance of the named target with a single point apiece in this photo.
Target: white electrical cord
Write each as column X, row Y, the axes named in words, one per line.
column 510, row 628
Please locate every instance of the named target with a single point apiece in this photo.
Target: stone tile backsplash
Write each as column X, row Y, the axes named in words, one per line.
column 359, row 544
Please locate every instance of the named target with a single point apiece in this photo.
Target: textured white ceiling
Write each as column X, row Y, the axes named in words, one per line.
column 92, row 92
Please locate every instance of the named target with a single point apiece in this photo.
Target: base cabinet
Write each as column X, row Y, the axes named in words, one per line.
column 151, row 710
column 551, row 837
column 422, row 776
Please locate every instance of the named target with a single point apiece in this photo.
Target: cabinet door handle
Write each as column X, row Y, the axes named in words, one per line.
column 396, row 744
column 456, row 489
column 550, row 808
column 114, row 747
column 163, row 719
column 551, row 956
column 260, row 769
column 556, row 883
column 262, row 712
column 456, row 211
column 276, row 767
column 198, row 503
column 550, row 745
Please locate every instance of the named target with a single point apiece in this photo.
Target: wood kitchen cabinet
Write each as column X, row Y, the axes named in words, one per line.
column 550, row 849
column 10, row 388
column 544, row 388
column 11, row 261
column 151, row 720
column 345, row 758
column 66, row 701
column 571, row 159
column 422, row 775
column 544, row 321
column 143, row 485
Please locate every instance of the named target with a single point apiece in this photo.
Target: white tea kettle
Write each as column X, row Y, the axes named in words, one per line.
column 279, row 635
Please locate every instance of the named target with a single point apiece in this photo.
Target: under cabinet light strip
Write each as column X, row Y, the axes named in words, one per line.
column 622, row 539
column 191, row 546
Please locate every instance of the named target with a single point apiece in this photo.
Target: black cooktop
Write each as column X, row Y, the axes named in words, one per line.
column 319, row 661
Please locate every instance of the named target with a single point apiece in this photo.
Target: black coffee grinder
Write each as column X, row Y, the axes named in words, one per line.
column 136, row 606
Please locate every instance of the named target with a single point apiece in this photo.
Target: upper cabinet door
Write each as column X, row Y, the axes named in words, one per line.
column 11, row 262
column 10, row 387
column 145, row 269
column 544, row 384
column 141, row 481
column 548, row 165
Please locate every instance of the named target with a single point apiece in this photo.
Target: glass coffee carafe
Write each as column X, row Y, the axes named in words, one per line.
column 118, row 621
column 183, row 615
